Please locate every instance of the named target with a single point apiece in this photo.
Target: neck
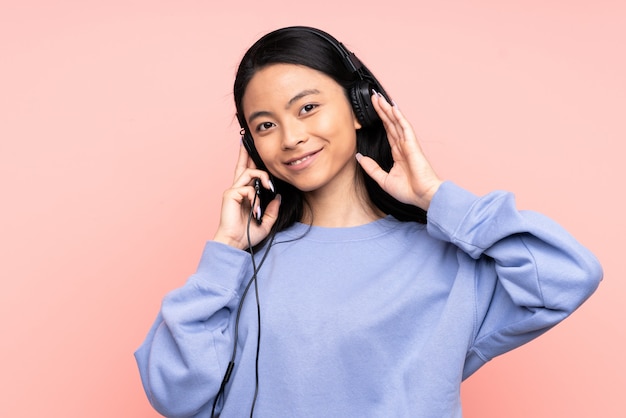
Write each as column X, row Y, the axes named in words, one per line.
column 340, row 207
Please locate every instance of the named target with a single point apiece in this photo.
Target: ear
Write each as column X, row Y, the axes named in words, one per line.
column 355, row 121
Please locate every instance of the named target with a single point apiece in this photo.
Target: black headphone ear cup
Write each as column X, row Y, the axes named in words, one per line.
column 361, row 99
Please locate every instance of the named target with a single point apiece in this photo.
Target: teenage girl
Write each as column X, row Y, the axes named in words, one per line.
column 345, row 278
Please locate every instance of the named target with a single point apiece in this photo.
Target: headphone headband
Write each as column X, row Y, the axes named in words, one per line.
column 350, row 59
column 352, row 62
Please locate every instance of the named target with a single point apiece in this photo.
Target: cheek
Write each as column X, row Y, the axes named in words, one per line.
column 335, row 124
column 265, row 150
column 268, row 149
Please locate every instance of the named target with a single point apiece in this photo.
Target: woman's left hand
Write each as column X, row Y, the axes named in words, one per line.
column 411, row 180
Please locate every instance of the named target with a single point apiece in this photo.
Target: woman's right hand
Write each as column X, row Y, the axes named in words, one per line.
column 236, row 206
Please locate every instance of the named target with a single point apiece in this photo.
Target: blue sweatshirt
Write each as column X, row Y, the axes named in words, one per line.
column 380, row 320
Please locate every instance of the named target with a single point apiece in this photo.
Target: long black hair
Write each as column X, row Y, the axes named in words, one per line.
column 303, row 46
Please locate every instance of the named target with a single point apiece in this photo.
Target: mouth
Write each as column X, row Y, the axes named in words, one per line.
column 301, row 160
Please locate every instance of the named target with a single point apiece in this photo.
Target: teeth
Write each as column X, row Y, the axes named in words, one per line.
column 300, row 161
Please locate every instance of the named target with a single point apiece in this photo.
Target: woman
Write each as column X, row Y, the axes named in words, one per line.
column 343, row 299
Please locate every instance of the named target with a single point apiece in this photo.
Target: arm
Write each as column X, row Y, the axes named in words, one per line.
column 187, row 350
column 184, row 357
column 542, row 274
column 531, row 273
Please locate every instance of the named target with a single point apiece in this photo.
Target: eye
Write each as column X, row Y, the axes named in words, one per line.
column 264, row 126
column 308, row 108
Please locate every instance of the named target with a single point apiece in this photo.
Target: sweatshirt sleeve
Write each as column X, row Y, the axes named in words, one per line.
column 542, row 274
column 185, row 354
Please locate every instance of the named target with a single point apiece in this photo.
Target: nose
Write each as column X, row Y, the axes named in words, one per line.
column 294, row 134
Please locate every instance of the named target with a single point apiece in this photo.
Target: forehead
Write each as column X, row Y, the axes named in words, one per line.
column 276, row 84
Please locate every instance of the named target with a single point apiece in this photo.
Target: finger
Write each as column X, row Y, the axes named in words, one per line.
column 248, row 176
column 408, row 133
column 373, row 170
column 271, row 213
column 251, row 163
column 402, row 123
column 394, row 132
column 385, row 113
column 395, row 118
column 401, row 126
column 242, row 196
column 384, row 105
column 253, row 193
column 243, row 161
column 266, row 181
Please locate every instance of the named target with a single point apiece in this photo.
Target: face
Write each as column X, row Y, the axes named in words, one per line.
column 303, row 126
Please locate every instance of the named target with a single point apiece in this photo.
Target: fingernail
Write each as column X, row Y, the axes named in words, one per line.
column 374, row 92
column 271, row 186
column 394, row 104
column 258, row 213
column 279, row 197
column 359, row 156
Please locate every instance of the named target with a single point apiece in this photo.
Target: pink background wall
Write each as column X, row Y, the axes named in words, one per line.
column 117, row 139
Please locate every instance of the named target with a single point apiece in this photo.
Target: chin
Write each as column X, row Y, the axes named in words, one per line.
column 305, row 186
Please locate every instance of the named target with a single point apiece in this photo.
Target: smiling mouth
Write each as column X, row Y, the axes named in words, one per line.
column 301, row 160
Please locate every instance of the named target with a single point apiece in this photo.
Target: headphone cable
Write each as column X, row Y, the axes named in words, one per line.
column 253, row 279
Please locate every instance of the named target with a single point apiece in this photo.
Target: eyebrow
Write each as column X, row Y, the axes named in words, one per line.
column 300, row 95
column 291, row 101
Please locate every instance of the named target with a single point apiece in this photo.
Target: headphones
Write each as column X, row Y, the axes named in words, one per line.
column 360, row 93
